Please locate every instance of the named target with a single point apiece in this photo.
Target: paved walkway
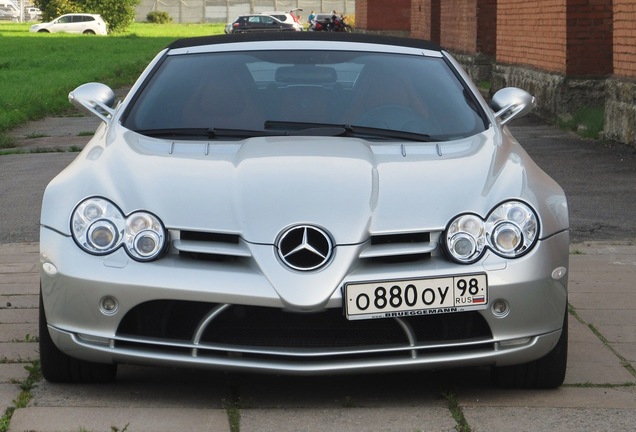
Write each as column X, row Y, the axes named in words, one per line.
column 599, row 393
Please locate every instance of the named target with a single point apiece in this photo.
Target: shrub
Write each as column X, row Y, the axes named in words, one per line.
column 158, row 17
column 350, row 20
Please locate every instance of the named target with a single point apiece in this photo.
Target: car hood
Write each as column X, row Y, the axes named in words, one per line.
column 257, row 187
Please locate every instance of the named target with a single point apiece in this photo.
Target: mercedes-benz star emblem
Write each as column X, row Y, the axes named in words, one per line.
column 305, row 247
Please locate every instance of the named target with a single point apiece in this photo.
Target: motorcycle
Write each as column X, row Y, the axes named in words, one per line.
column 335, row 23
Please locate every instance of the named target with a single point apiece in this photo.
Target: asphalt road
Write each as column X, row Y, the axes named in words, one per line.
column 599, row 179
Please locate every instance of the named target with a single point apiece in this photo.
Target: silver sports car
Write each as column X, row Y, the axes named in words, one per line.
column 304, row 203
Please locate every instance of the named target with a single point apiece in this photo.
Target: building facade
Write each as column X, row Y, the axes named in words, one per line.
column 569, row 53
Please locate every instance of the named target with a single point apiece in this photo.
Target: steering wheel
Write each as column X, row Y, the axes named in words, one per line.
column 394, row 117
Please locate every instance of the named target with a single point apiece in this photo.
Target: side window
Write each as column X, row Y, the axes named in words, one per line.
column 65, row 20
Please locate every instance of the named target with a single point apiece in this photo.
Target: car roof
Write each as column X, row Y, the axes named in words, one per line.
column 254, row 14
column 80, row 14
column 306, row 36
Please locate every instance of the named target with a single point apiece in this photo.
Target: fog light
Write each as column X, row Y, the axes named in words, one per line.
column 500, row 308
column 108, row 305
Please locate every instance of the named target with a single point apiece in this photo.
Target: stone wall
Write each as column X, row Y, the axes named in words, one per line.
column 556, row 94
column 620, row 111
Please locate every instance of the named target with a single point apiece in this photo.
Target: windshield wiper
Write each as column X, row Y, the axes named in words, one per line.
column 326, row 129
column 174, row 132
column 209, row 133
column 287, row 128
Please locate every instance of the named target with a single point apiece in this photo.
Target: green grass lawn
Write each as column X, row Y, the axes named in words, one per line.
column 37, row 71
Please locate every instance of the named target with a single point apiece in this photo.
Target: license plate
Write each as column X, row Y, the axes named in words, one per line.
column 403, row 298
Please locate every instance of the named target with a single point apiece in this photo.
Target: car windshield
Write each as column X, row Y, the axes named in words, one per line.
column 282, row 91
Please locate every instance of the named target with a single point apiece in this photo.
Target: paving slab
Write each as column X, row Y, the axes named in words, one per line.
column 27, row 301
column 590, row 361
column 16, row 316
column 104, row 419
column 29, row 284
column 603, row 293
column 21, row 352
column 623, row 397
column 421, row 418
column 141, row 387
column 549, row 419
column 18, row 332
column 12, row 373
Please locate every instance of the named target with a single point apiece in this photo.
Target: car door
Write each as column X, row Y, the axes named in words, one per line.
column 80, row 23
column 63, row 24
column 270, row 24
column 255, row 23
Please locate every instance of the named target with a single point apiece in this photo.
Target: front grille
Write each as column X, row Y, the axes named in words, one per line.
column 211, row 237
column 248, row 328
column 418, row 237
column 253, row 326
column 380, row 248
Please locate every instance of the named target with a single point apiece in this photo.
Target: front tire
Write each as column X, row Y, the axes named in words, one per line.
column 544, row 373
column 60, row 368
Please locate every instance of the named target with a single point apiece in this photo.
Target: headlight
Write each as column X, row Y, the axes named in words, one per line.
column 99, row 228
column 144, row 236
column 510, row 230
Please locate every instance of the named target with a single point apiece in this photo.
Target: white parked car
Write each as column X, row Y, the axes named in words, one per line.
column 288, row 203
column 73, row 23
column 32, row 13
column 287, row 17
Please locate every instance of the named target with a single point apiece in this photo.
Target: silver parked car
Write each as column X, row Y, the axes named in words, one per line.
column 303, row 203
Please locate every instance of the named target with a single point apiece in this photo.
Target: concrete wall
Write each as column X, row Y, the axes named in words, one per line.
column 197, row 11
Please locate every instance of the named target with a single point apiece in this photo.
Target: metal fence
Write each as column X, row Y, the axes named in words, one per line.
column 193, row 11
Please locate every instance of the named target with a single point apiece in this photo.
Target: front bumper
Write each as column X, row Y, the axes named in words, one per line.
column 72, row 293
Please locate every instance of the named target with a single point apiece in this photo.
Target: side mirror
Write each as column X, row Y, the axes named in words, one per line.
column 94, row 98
column 511, row 102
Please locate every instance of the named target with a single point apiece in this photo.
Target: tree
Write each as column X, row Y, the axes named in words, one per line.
column 53, row 8
column 118, row 14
